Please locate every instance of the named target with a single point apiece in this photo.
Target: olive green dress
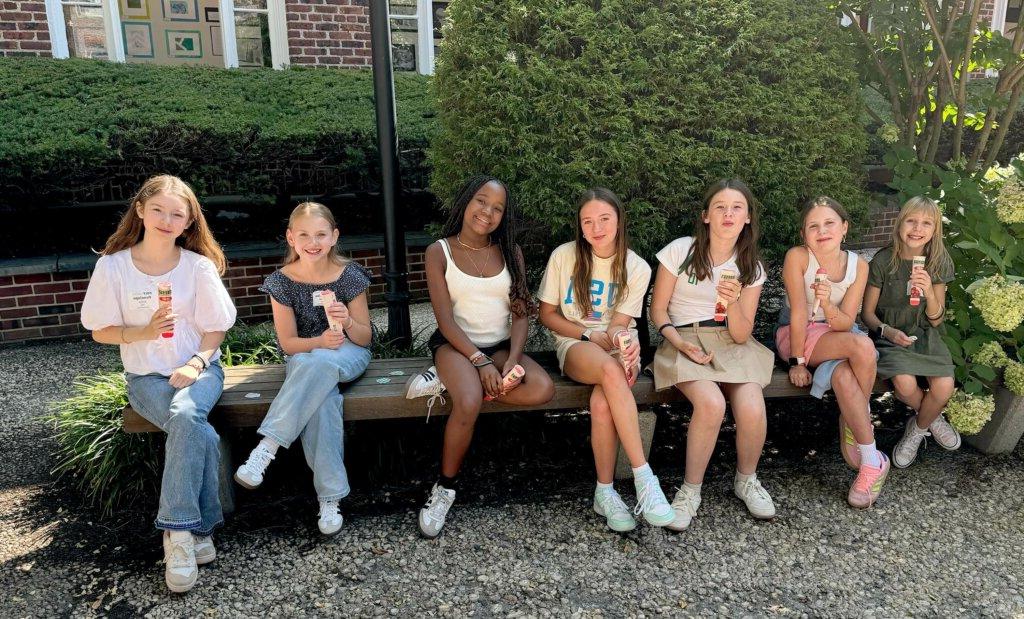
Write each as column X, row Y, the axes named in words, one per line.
column 928, row 356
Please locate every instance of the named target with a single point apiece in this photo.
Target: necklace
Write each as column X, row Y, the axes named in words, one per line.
column 487, row 261
column 459, row 239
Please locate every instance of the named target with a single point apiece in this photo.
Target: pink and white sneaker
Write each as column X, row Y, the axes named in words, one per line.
column 868, row 484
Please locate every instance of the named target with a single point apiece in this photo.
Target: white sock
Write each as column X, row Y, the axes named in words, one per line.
column 642, row 472
column 870, row 455
column 918, row 431
column 270, row 444
column 692, row 487
column 605, row 487
column 180, row 536
column 740, row 477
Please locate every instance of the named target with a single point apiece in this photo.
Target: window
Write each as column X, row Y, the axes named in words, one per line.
column 171, row 31
column 415, row 33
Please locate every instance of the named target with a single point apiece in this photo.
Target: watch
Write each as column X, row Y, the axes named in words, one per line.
column 585, row 336
column 795, row 361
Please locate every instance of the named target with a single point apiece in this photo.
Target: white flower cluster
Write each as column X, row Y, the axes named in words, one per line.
column 888, row 133
column 1001, row 302
column 992, row 355
column 1013, row 377
column 1010, row 201
column 969, row 413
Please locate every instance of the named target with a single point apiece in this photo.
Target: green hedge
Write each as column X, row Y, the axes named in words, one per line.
column 653, row 99
column 67, row 124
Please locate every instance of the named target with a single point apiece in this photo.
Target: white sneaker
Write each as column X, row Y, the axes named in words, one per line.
column 905, row 452
column 330, row 519
column 684, row 507
column 180, row 571
column 759, row 502
column 436, row 510
column 651, row 502
column 204, row 549
column 250, row 474
column 944, row 434
column 609, row 504
column 426, row 383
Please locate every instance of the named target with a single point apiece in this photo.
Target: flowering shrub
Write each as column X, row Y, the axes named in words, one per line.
column 888, row 133
column 968, row 412
column 1010, row 201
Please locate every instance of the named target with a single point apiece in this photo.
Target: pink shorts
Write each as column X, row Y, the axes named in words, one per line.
column 814, row 332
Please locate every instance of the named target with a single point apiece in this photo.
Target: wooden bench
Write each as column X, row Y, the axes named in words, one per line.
column 380, row 394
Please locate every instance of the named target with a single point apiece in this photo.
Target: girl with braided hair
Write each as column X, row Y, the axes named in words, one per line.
column 477, row 283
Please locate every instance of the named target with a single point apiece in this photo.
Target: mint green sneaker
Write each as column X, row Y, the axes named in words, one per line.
column 651, row 502
column 609, row 504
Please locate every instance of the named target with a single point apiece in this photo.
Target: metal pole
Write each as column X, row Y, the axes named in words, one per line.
column 395, row 273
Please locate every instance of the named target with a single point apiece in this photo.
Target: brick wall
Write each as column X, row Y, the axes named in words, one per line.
column 882, row 217
column 47, row 305
column 23, row 29
column 328, row 32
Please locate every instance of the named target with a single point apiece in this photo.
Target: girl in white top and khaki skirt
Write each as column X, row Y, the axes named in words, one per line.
column 708, row 360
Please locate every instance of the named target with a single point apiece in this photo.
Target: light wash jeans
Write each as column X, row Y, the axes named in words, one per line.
column 189, row 491
column 309, row 406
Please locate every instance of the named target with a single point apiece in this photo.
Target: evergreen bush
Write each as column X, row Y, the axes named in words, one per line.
column 655, row 100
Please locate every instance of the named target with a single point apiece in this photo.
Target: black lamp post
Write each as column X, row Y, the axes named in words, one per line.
column 395, row 273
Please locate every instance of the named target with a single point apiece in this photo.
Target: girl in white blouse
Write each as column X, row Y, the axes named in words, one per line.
column 170, row 349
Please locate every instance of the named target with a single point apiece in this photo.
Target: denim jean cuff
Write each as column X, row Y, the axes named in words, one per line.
column 334, row 497
column 178, row 525
column 277, row 439
column 204, row 531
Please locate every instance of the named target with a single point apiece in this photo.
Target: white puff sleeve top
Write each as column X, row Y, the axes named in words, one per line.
column 119, row 294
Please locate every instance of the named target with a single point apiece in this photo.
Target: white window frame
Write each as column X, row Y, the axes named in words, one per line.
column 424, row 19
column 275, row 12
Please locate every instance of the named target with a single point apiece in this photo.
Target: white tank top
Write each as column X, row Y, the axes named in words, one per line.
column 838, row 288
column 480, row 304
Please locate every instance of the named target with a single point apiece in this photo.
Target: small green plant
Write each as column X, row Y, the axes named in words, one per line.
column 112, row 468
column 250, row 345
column 383, row 348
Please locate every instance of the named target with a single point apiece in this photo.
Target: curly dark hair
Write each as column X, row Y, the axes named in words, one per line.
column 519, row 295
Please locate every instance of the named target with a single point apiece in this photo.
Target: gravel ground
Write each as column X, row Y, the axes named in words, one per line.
column 945, row 539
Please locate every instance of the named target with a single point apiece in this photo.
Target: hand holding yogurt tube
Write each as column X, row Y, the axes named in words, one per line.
column 728, row 292
column 337, row 315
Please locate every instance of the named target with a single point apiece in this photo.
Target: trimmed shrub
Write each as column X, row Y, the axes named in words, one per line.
column 70, row 125
column 654, row 100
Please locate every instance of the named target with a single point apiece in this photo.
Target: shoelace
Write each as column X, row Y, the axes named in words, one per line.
column 180, row 552
column 258, row 460
column 611, row 502
column 942, row 431
column 329, row 510
column 647, row 498
column 435, row 396
column 438, row 505
column 755, row 486
column 866, row 478
column 684, row 503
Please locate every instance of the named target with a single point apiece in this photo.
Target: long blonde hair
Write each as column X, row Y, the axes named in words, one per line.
column 313, row 209
column 937, row 258
column 584, row 262
column 196, row 237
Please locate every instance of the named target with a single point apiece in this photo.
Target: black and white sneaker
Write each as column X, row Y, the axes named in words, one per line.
column 434, row 513
column 427, row 383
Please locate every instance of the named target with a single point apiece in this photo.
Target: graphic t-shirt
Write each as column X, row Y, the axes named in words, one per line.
column 556, row 288
column 692, row 300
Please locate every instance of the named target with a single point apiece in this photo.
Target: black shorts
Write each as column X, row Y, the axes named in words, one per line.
column 437, row 340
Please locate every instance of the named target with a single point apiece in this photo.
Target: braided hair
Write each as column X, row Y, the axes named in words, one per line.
column 504, row 235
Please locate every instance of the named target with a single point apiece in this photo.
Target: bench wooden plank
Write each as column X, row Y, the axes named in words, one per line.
column 367, row 399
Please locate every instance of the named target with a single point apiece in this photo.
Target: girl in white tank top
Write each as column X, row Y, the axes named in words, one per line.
column 477, row 285
column 822, row 331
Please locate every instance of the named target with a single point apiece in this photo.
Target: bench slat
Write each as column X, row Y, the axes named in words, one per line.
column 368, row 399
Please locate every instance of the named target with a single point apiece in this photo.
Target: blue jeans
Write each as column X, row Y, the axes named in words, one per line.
column 309, row 406
column 189, row 498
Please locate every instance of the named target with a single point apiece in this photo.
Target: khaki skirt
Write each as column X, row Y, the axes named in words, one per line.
column 750, row 362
